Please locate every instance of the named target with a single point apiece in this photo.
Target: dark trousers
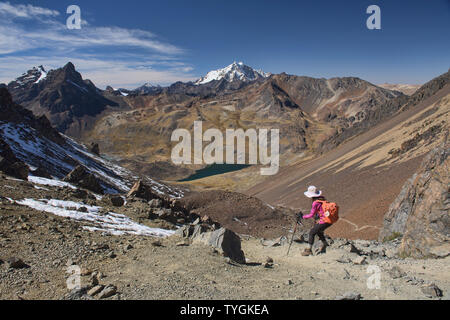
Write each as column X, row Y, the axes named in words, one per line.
column 318, row 230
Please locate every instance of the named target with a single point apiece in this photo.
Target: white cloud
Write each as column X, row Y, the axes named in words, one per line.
column 25, row 11
column 54, row 35
column 119, row 57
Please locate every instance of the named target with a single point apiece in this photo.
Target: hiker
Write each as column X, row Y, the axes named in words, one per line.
column 326, row 218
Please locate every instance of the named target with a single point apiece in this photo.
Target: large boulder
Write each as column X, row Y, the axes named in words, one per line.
column 420, row 214
column 225, row 241
column 95, row 149
column 9, row 163
column 116, row 200
column 143, row 191
column 82, row 178
column 41, row 172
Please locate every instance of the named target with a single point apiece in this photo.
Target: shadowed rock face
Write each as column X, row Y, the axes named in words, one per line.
column 9, row 164
column 81, row 177
column 12, row 112
column 421, row 211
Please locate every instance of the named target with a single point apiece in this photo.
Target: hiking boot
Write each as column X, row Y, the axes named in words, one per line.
column 307, row 252
column 323, row 248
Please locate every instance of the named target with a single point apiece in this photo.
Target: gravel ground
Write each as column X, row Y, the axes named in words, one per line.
column 138, row 267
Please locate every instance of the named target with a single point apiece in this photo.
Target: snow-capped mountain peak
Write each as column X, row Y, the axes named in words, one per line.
column 147, row 88
column 233, row 72
column 32, row 76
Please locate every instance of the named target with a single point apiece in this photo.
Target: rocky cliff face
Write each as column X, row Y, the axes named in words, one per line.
column 10, row 112
column 62, row 95
column 420, row 214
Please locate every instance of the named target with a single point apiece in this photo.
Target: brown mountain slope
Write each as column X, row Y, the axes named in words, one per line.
column 140, row 137
column 366, row 173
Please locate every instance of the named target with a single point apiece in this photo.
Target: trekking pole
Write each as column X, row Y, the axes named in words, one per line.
column 297, row 222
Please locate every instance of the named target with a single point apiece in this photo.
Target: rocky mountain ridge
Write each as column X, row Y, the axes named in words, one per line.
column 419, row 216
column 62, row 95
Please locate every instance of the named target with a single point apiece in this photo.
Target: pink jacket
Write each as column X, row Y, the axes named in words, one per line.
column 316, row 209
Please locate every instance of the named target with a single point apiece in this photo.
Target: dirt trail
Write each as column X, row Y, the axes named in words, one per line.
column 359, row 228
column 195, row 272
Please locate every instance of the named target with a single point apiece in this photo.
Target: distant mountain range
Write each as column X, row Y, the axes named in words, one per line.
column 136, row 125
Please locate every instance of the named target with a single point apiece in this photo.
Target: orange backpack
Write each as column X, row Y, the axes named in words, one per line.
column 330, row 212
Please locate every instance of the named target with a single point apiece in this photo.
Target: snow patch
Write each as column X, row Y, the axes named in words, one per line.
column 111, row 223
column 43, row 74
column 50, row 182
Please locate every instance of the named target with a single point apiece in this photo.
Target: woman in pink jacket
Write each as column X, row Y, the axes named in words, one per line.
column 316, row 197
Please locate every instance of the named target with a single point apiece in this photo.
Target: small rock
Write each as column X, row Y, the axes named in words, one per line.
column 395, row 272
column 391, row 253
column 77, row 294
column 359, row 260
column 182, row 244
column 206, row 219
column 86, row 272
column 155, row 203
column 354, row 249
column 349, row 296
column 94, row 281
column 56, row 262
column 116, row 201
column 95, row 290
column 70, row 262
column 432, row 291
column 268, row 263
column 79, row 194
column 344, row 259
column 274, row 243
column 107, row 292
column 16, row 263
column 157, row 243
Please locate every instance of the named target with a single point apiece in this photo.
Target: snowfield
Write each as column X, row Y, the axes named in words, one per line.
column 110, row 223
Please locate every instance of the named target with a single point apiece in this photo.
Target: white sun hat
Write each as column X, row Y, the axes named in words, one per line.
column 313, row 192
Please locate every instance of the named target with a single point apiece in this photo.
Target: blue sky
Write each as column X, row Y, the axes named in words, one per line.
column 128, row 43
